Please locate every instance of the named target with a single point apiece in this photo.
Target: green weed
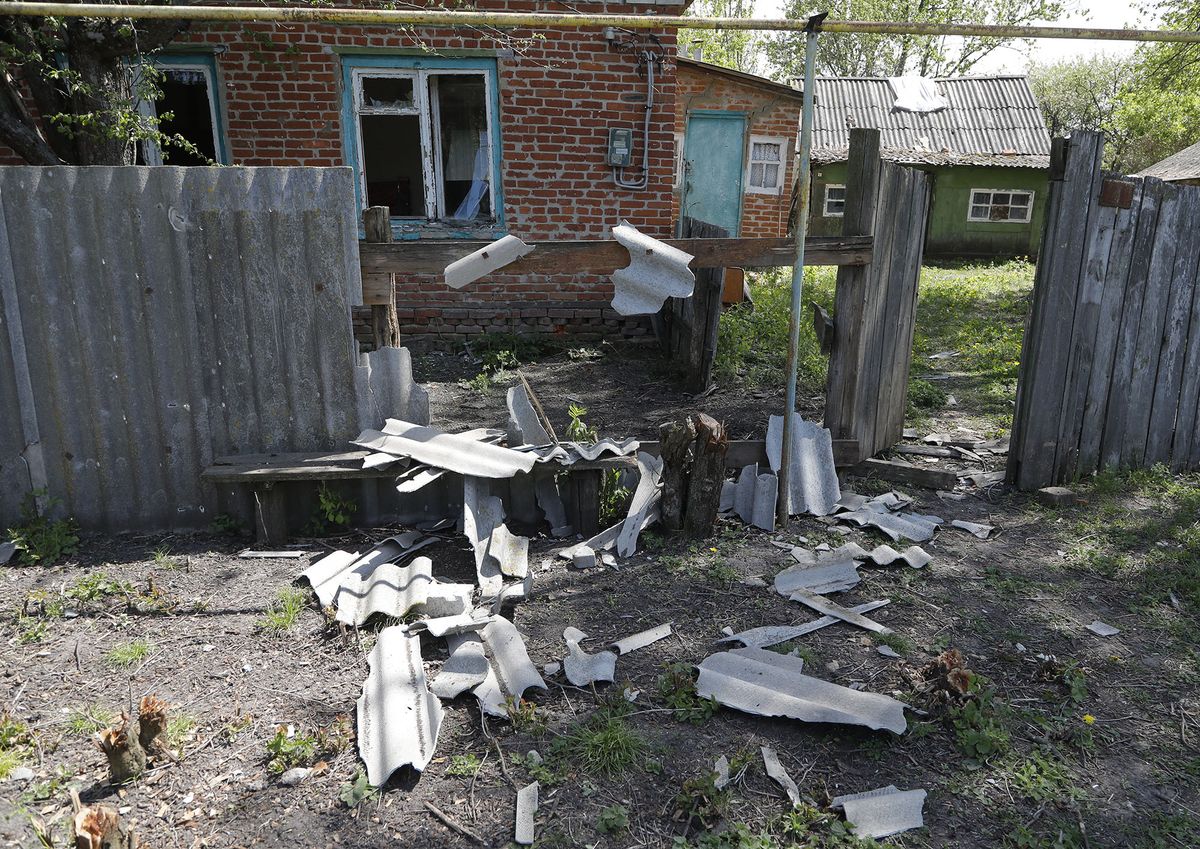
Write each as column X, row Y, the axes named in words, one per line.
column 227, row 525
column 98, row 586
column 163, row 559
column 332, row 513
column 90, row 719
column 578, row 430
column 179, row 726
column 284, row 612
column 979, row 722
column 354, row 793
column 1042, row 778
column 677, row 690
column 289, row 749
column 30, row 630
column 39, row 539
column 129, row 654
column 16, row 742
column 524, row 716
column 613, row 819
column 701, row 800
column 604, row 744
column 464, row 766
column 896, row 642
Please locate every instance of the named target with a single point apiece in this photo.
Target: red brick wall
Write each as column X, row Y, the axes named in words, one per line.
column 281, row 97
column 770, row 114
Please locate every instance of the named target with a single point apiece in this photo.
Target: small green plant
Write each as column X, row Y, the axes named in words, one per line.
column 464, row 766
column 524, row 716
column 288, row 749
column 1042, row 778
column 614, row 498
column 613, row 819
column 163, row 559
column 578, row 430
column 179, row 726
column 39, row 539
column 227, row 525
column 604, row 744
column 701, row 800
column 284, row 611
column 336, row 737
column 677, row 689
column 923, row 395
column 541, row 770
column 90, row 719
column 31, row 630
column 98, row 586
column 332, row 513
column 896, row 642
column 129, row 654
column 354, row 793
column 15, row 743
column 480, row 383
column 977, row 722
column 233, row 729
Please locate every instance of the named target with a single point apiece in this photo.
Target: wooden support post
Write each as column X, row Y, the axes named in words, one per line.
column 693, row 451
column 675, row 447
column 270, row 515
column 585, row 501
column 385, row 324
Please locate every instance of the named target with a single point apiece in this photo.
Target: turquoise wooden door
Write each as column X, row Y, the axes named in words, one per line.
column 713, row 164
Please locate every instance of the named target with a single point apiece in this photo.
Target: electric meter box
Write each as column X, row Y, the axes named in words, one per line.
column 620, row 147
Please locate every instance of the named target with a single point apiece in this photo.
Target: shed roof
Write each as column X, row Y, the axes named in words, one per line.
column 990, row 121
column 741, row 77
column 1184, row 165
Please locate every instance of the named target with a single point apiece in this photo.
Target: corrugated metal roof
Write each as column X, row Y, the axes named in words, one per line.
column 1184, row 165
column 991, row 121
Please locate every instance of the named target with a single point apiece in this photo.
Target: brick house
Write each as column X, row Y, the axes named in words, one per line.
column 466, row 133
column 735, row 136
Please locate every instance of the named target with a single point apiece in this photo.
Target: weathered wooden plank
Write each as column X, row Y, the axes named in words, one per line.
column 1157, row 286
column 904, row 348
column 698, row 317
column 1185, row 450
column 845, row 362
column 1141, row 249
column 1177, row 321
column 603, row 256
column 900, row 472
column 1114, row 279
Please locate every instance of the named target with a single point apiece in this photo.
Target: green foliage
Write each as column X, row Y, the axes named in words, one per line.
column 923, row 395
column 737, row 49
column 39, row 539
column 16, row 742
column 524, row 716
column 464, row 766
column 578, row 429
column 163, row 559
column 677, row 689
column 896, row 642
column 224, row 523
column 701, row 800
column 1043, row 778
column 332, row 513
column 752, row 339
column 1086, row 93
column 613, row 819
column 129, row 654
column 89, row 719
column 288, row 749
column 357, row 791
column 97, row 586
column 614, row 498
column 604, row 744
column 179, row 726
column 978, row 722
column 284, row 611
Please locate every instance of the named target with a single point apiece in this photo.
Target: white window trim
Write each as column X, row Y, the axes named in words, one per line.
column 151, row 150
column 679, row 151
column 988, row 220
column 782, row 163
column 825, row 205
column 426, row 110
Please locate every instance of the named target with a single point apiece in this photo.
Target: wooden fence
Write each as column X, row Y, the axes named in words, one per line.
column 1110, row 366
column 875, row 304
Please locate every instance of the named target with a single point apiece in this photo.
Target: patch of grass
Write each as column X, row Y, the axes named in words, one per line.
column 38, row 538
column 15, row 743
column 163, row 559
column 31, row 630
column 524, row 716
column 179, row 726
column 90, row 719
column 925, row 396
column 613, row 819
column 896, row 642
column 481, row 384
column 464, row 766
column 1042, row 777
column 129, row 654
column 604, row 744
column 284, row 612
column 677, row 690
column 226, row 524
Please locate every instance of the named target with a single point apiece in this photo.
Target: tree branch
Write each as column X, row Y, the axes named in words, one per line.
column 19, row 133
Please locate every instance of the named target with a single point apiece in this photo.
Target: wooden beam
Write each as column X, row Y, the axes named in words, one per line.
column 604, row 256
column 897, row 472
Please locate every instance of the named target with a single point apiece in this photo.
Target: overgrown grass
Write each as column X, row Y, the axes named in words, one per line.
column 129, row 654
column 284, row 611
column 604, row 744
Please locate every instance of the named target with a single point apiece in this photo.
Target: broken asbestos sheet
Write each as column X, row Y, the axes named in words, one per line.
column 398, row 718
column 828, row 608
column 645, row 501
column 911, row 526
column 885, row 555
column 656, row 271
column 812, row 483
column 511, row 669
column 770, row 635
column 487, row 259
column 583, row 668
column 973, row 528
column 388, row 589
column 642, row 639
column 329, row 573
column 821, row 571
column 524, row 427
column 467, row 666
column 527, row 807
column 753, row 497
column 883, row 812
column 498, row 551
column 764, row 683
column 450, row 451
column 777, row 771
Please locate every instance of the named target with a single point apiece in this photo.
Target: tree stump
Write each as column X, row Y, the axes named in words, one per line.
column 693, row 453
column 126, row 757
column 676, row 441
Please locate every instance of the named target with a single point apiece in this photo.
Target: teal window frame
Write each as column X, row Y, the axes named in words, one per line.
column 355, row 66
column 207, row 63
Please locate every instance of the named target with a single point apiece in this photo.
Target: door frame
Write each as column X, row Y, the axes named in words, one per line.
column 727, row 114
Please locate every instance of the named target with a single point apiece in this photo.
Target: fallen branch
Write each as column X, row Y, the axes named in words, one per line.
column 451, row 822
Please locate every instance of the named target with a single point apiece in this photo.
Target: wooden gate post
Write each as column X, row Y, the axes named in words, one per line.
column 385, row 324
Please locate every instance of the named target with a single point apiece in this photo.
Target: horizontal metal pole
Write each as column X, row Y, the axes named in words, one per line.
column 422, row 17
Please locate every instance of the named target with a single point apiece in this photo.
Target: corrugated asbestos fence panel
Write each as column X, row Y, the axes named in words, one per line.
column 167, row 316
column 1112, row 346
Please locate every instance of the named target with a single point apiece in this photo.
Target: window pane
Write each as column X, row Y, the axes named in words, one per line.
column 765, row 152
column 979, row 212
column 756, row 174
column 770, row 176
column 1020, row 200
column 392, row 162
column 837, row 193
column 999, row 213
column 185, row 97
column 463, row 124
column 980, row 198
column 1001, row 198
column 387, row 92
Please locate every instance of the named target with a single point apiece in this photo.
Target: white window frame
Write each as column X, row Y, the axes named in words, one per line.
column 151, row 150
column 679, row 166
column 971, row 204
column 825, row 204
column 426, row 109
column 751, row 161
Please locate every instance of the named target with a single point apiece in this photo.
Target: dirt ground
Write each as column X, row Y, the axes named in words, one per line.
column 1069, row 739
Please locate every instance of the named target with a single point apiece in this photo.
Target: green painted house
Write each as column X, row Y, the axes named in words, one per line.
column 982, row 139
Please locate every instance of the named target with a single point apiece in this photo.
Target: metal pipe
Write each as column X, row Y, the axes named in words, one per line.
column 423, row 17
column 649, row 57
column 803, row 181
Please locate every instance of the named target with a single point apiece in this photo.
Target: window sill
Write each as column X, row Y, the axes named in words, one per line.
column 407, row 228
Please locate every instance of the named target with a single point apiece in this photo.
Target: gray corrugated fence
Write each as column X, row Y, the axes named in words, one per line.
column 154, row 318
column 1110, row 367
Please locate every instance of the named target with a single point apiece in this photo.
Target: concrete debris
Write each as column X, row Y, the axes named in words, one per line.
column 510, row 550
column 944, row 495
column 466, row 667
column 7, row 550
column 827, row 608
column 885, row 555
column 514, row 671
column 583, row 668
column 764, row 683
column 607, row 538
column 983, row 479
column 583, row 557
column 776, row 770
column 645, row 501
column 884, row 812
column 566, row 453
column 21, row 773
column 630, row 695
column 527, row 806
column 980, row 531
column 388, row 589
column 490, row 695
column 1056, row 496
column 295, row 775
column 823, row 555
column 642, row 639
column 888, row 651
column 770, row 635
column 398, row 718
column 813, row 481
column 484, row 261
column 329, row 573
column 721, row 770
column 1100, row 629
column 754, row 497
column 290, row 554
column 656, row 271
column 831, row 577
column 524, row 426
column 911, row 526
column 453, row 452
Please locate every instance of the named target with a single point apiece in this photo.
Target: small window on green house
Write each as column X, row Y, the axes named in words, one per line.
column 1000, row 205
column 835, row 201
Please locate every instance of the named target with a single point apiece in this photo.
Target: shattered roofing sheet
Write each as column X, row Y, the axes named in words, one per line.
column 389, row 589
column 514, row 671
column 884, row 812
column 812, row 484
column 754, row 497
column 642, row 639
column 656, row 271
column 524, row 427
column 567, row 453
column 885, row 555
column 484, row 261
column 583, row 668
column 828, row 608
column 645, row 501
column 776, row 770
column 912, row 526
column 770, row 635
column 825, row 578
column 454, row 452
column 764, row 683
column 398, row 718
column 331, row 571
column 482, row 514
column 466, row 667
